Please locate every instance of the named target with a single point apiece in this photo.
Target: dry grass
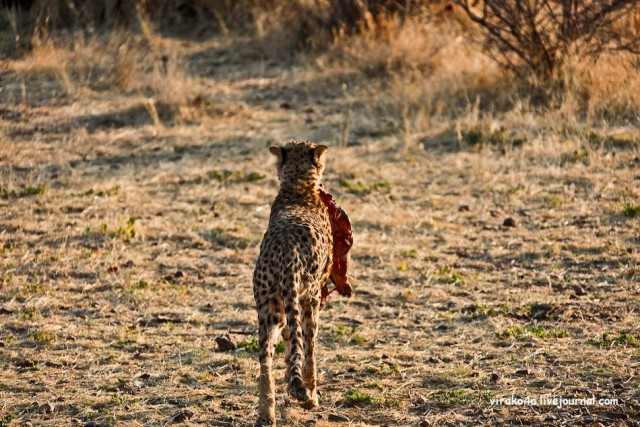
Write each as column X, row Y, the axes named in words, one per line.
column 126, row 248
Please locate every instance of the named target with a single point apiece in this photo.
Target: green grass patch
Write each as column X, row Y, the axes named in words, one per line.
column 350, row 334
column 35, row 288
column 109, row 192
column 624, row 340
column 409, row 253
column 389, row 402
column 126, row 231
column 390, row 369
column 537, row 331
column 498, row 137
column 43, row 338
column 5, row 420
column 358, row 339
column 515, row 189
column 631, row 211
column 460, row 397
column 447, row 274
column 28, row 314
column 484, row 311
column 253, row 346
column 32, row 191
column 371, row 369
column 385, row 370
column 356, row 397
column 552, row 202
column 577, row 156
column 362, row 188
column 249, row 345
column 29, row 191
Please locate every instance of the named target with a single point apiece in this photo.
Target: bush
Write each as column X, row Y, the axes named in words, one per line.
column 537, row 36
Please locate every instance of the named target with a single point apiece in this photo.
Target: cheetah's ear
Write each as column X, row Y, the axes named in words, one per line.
column 319, row 153
column 280, row 153
column 276, row 151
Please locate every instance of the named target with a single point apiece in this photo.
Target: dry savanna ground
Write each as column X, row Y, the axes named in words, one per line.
column 496, row 252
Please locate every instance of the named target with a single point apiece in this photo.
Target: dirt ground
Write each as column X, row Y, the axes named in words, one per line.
column 129, row 231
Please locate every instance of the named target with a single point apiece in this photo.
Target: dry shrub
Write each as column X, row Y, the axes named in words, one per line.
column 538, row 36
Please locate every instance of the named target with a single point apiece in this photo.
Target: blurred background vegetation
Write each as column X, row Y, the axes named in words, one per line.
column 448, row 59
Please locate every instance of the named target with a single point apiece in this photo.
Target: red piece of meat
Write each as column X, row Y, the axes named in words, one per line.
column 342, row 242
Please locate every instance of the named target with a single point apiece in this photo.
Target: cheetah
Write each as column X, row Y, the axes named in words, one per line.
column 295, row 262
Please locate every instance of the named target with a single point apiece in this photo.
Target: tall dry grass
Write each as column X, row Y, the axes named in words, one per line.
column 416, row 66
column 604, row 89
column 141, row 64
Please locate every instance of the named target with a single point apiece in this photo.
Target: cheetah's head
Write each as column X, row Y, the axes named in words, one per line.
column 300, row 162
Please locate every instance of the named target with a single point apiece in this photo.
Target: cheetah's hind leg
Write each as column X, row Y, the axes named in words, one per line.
column 310, row 314
column 267, row 334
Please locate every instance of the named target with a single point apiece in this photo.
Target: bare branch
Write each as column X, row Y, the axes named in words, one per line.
column 539, row 34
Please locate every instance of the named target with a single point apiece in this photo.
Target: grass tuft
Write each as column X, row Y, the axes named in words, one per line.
column 356, row 397
column 631, row 211
column 361, row 188
column 535, row 331
column 624, row 339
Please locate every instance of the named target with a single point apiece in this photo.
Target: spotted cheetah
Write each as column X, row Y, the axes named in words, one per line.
column 294, row 263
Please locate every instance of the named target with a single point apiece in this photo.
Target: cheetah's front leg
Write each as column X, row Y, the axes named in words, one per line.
column 311, row 311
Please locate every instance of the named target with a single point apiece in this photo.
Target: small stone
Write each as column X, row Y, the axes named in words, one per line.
column 509, row 222
column 225, row 343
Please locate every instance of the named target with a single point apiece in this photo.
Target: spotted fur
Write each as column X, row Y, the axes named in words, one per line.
column 295, row 261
